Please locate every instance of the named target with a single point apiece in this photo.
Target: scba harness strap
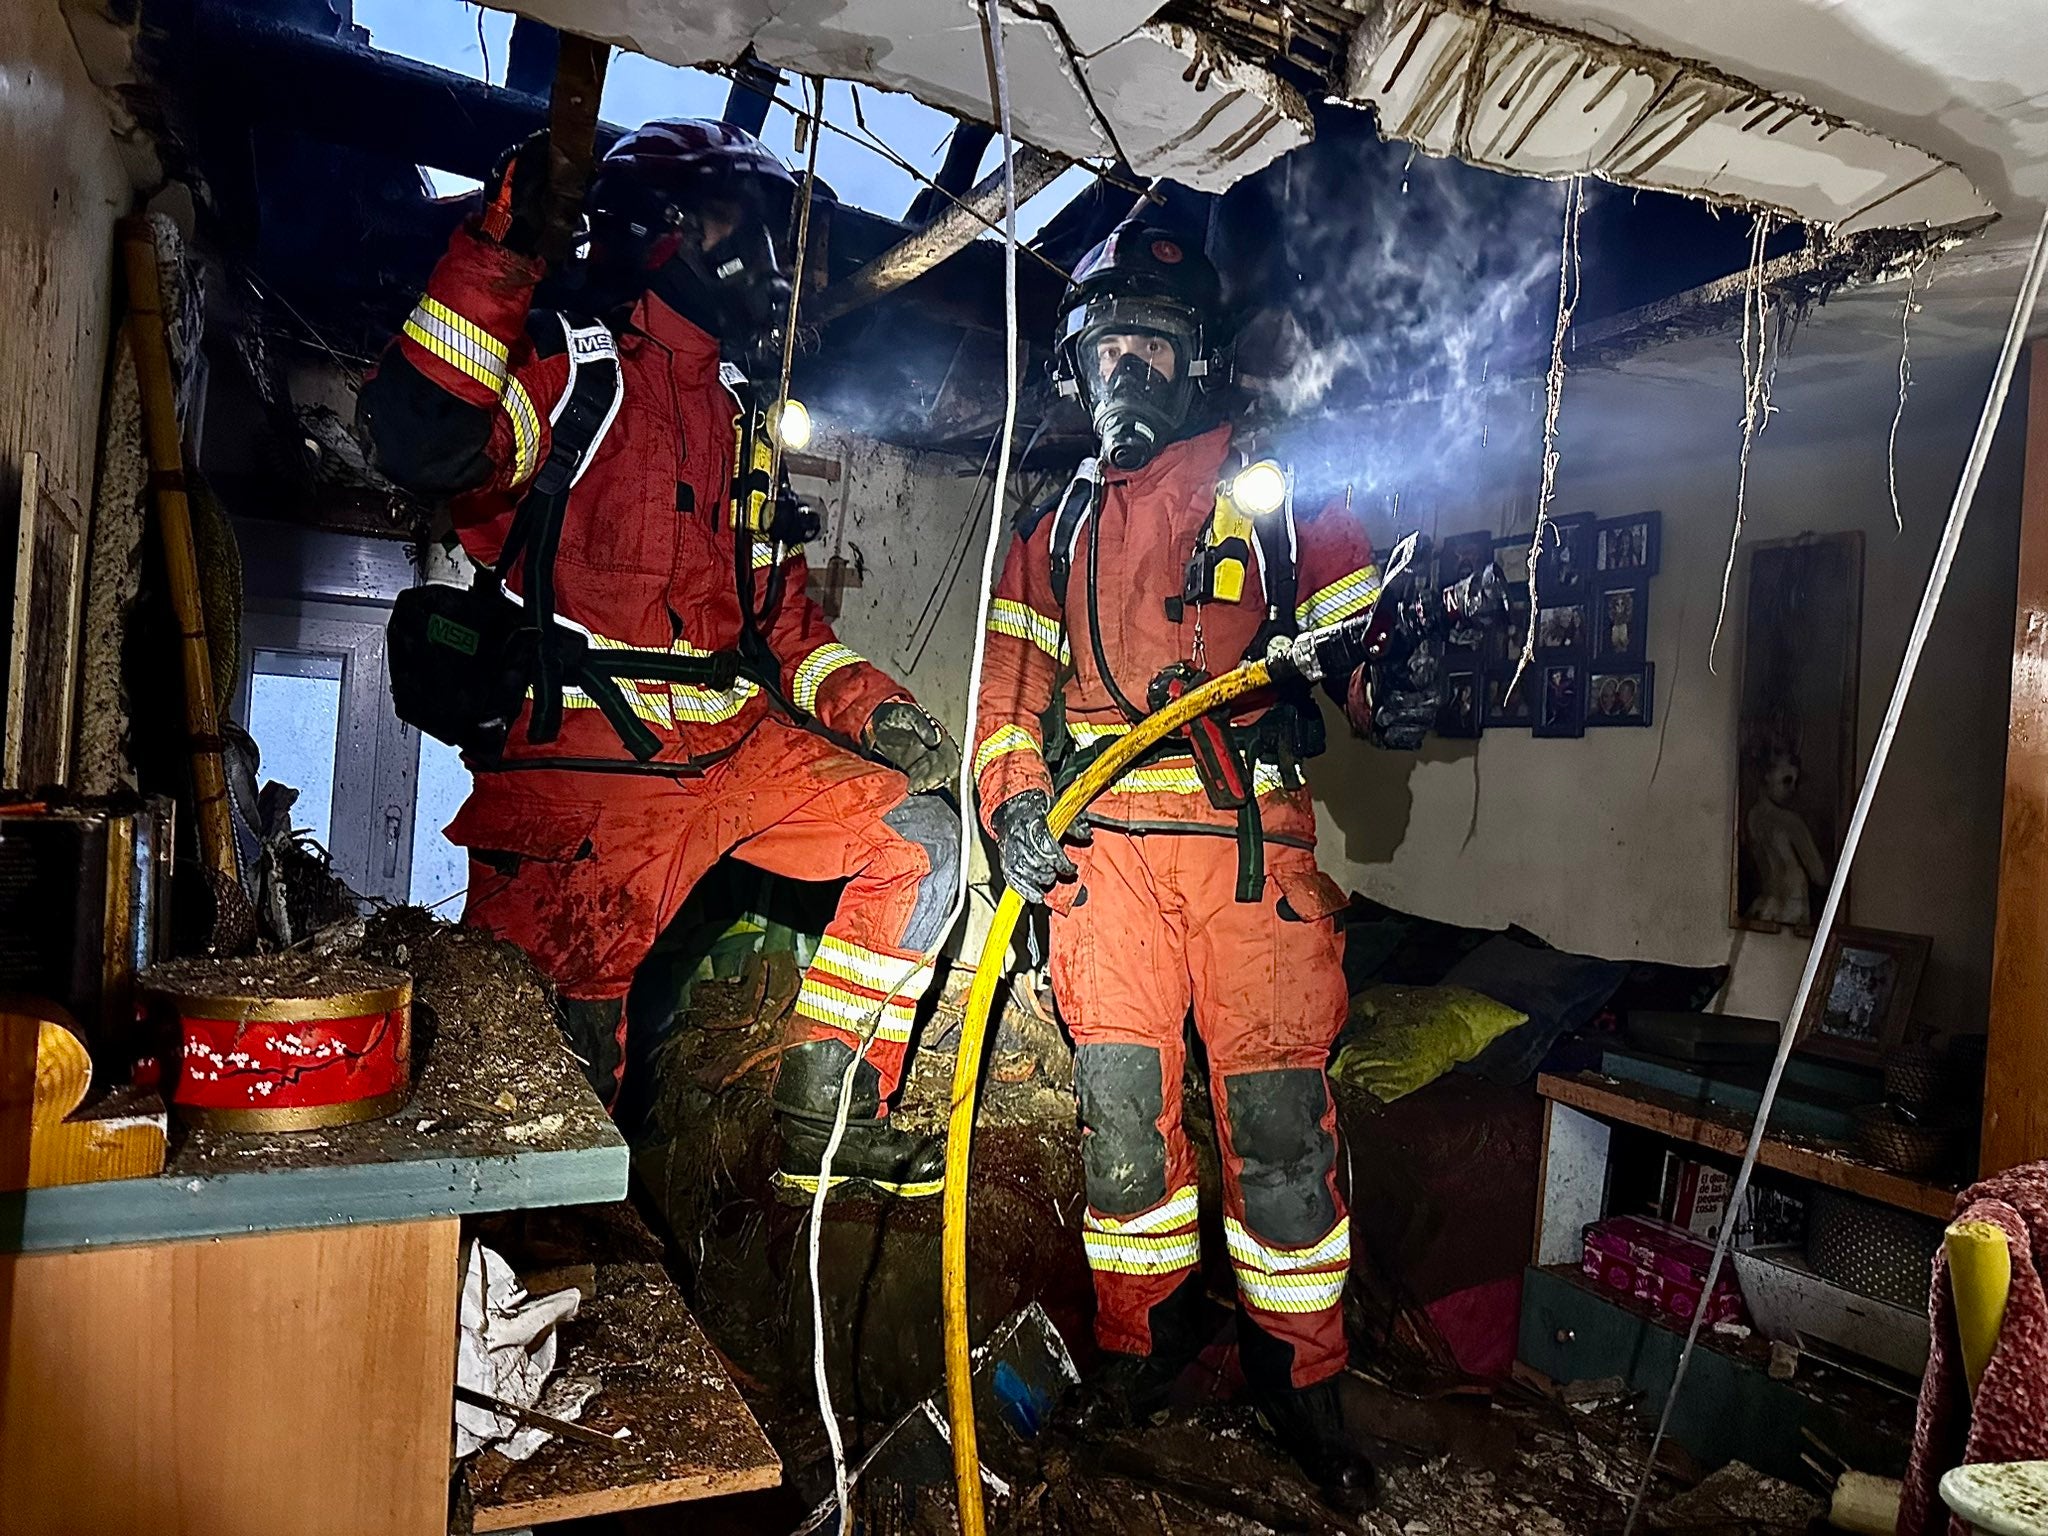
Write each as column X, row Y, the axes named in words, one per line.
column 474, row 653
column 1225, row 756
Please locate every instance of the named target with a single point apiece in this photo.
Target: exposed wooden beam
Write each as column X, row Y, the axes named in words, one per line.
column 951, row 232
column 2016, row 1068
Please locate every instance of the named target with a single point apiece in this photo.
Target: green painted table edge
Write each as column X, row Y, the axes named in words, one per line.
column 170, row 1209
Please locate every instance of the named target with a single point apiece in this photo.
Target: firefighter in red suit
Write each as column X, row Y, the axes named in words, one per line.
column 579, row 852
column 1169, row 900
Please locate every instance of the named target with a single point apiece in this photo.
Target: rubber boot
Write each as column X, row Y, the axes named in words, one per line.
column 1126, row 1391
column 872, row 1152
column 1309, row 1424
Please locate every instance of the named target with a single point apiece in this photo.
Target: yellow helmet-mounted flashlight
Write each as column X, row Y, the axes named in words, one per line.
column 1260, row 488
column 791, row 422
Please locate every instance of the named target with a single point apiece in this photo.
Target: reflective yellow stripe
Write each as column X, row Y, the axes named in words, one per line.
column 1292, row 1293
column 1248, row 1252
column 815, row 668
column 1127, row 1254
column 1087, row 735
column 764, row 554
column 1009, row 617
column 1340, row 599
column 1178, row 1210
column 868, row 968
column 709, row 706
column 525, row 429
column 819, row 999
column 1184, row 780
column 458, row 342
column 1002, row 741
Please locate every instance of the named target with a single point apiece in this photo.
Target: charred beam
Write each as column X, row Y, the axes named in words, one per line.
column 951, row 232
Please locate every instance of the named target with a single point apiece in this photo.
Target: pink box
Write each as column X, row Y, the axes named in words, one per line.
column 1663, row 1265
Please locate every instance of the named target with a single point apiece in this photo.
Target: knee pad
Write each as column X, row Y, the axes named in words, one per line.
column 927, row 821
column 1123, row 1155
column 1276, row 1130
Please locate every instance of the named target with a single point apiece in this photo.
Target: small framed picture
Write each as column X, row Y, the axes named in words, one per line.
column 1511, row 554
column 1564, row 567
column 1863, row 1000
column 1619, row 696
column 1561, row 630
column 1560, row 700
column 1628, row 544
column 1460, row 555
column 1459, row 717
column 1621, row 622
column 1509, row 711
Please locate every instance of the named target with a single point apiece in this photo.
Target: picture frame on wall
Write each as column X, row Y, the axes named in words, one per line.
column 1628, row 546
column 1620, row 623
column 1862, row 1003
column 1796, row 776
column 1499, row 709
column 1460, row 718
column 1560, row 702
column 1511, row 554
column 1563, row 573
column 1622, row 695
column 1561, row 631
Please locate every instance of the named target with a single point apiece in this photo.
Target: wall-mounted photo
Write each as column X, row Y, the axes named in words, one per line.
column 1619, row 697
column 1564, row 568
column 1628, row 545
column 1460, row 717
column 1796, row 728
column 1862, row 1001
column 1560, row 629
column 1561, row 701
column 1621, row 621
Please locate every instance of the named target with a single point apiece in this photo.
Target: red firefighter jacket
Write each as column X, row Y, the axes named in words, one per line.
column 1151, row 521
column 647, row 558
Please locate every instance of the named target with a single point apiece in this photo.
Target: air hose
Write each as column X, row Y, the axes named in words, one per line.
column 1306, row 656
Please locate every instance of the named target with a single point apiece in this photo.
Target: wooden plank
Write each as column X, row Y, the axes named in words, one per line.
column 692, row 1435
column 1668, row 1115
column 2016, row 1064
column 294, row 1382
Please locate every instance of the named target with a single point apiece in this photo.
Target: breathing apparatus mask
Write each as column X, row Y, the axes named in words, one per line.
column 1133, row 345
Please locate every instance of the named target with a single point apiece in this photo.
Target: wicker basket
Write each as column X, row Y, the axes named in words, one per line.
column 1919, row 1075
column 1890, row 1142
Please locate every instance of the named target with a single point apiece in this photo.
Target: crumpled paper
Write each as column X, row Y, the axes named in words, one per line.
column 505, row 1348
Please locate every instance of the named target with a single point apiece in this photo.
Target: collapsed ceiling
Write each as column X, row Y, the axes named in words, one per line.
column 1207, row 92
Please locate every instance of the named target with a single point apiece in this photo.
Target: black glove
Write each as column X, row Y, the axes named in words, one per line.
column 1032, row 859
column 516, row 196
column 1405, row 698
column 915, row 743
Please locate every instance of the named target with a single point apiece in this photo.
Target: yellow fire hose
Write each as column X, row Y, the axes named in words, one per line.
column 1099, row 775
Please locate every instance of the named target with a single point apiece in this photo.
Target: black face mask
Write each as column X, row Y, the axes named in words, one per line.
column 1136, row 411
column 736, row 290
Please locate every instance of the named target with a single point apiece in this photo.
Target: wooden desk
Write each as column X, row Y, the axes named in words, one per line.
column 261, row 1342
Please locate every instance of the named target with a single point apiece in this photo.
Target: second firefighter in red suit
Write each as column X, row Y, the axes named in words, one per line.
column 579, row 853
column 1168, row 903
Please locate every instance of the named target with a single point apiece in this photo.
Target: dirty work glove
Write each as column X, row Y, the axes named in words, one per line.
column 1398, row 701
column 1033, row 862
column 516, row 196
column 914, row 742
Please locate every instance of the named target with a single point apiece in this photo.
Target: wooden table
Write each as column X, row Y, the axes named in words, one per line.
column 260, row 1342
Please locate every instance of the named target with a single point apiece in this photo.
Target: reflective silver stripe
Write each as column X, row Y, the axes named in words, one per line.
column 1341, row 599
column 1292, row 1293
column 1247, row 1251
column 1128, row 1254
column 460, row 343
column 525, row 421
column 814, row 669
column 1266, row 780
column 819, row 999
column 865, row 967
column 1006, row 616
column 1002, row 741
column 764, row 554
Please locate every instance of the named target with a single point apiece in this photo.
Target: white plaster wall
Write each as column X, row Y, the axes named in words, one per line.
column 1618, row 844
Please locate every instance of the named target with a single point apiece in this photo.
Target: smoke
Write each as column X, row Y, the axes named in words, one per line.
column 1434, row 284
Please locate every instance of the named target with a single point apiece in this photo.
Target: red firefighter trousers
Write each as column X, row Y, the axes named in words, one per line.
column 1154, row 928
column 584, row 870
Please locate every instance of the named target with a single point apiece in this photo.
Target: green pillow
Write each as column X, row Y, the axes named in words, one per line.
column 1402, row 1038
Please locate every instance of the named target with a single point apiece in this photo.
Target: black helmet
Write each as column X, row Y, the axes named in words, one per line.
column 1142, row 281
column 649, row 198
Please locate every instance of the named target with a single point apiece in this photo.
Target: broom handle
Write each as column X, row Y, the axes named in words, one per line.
column 174, row 523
